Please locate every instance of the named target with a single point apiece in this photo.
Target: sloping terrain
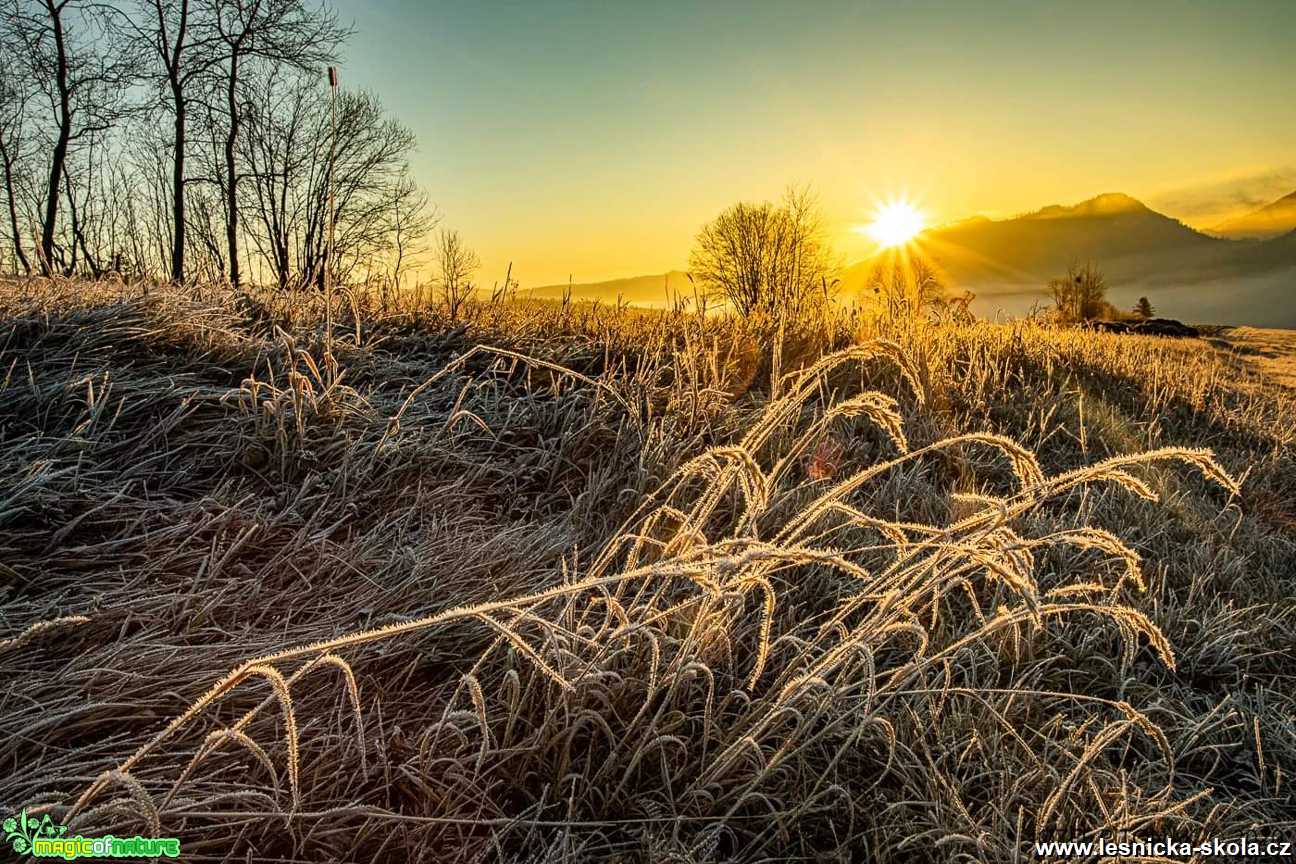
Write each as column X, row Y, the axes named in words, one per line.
column 656, row 291
column 553, row 583
column 1272, row 220
column 1007, row 263
column 1271, row 351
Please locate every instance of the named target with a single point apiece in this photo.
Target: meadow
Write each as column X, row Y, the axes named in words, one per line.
column 546, row 581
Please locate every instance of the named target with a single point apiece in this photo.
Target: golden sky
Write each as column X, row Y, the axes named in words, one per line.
column 595, row 139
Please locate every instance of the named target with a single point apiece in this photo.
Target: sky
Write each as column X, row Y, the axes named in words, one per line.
column 593, row 140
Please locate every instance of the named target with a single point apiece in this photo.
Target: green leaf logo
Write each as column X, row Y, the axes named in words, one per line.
column 21, row 832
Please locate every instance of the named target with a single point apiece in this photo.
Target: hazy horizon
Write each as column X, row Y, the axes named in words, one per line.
column 592, row 143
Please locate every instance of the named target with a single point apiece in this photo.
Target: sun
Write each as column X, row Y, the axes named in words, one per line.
column 895, row 224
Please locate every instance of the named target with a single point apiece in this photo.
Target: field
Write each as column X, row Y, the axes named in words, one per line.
column 1272, row 352
column 555, row 582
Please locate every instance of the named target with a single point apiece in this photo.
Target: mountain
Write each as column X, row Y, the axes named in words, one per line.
column 1007, row 263
column 656, row 290
column 1117, row 232
column 1271, row 220
column 1186, row 273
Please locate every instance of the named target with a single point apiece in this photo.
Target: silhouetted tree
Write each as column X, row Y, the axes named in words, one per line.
column 283, row 32
column 14, row 97
column 182, row 44
column 1081, row 295
column 456, row 264
column 1143, row 308
column 409, row 218
column 765, row 259
column 905, row 283
column 80, row 62
column 114, row 176
column 286, row 151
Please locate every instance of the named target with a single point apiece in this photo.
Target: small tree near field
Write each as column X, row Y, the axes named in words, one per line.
column 1143, row 308
column 767, row 260
column 905, row 284
column 1081, row 295
column 456, row 264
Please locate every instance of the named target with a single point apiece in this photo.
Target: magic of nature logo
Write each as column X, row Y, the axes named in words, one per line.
column 45, row 838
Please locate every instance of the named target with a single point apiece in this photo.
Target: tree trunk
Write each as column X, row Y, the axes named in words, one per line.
column 78, row 236
column 231, row 174
column 59, row 158
column 13, row 207
column 178, row 189
column 173, row 63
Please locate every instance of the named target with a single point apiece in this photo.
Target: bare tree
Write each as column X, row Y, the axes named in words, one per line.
column 905, row 283
column 14, row 98
column 279, row 147
column 84, row 68
column 369, row 162
column 147, row 179
column 378, row 212
column 409, row 219
column 204, row 216
column 456, row 264
column 765, row 259
column 183, row 46
column 273, row 31
column 1081, row 295
column 146, row 155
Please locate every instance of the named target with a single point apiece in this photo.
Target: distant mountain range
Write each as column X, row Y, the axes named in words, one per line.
column 1246, row 276
column 1185, row 272
column 1128, row 240
column 1272, row 220
column 655, row 290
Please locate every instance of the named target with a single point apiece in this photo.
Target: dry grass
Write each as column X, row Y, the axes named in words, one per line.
column 577, row 583
column 1273, row 352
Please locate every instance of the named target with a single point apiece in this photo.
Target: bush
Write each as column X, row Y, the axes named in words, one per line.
column 905, row 284
column 1081, row 295
column 765, row 259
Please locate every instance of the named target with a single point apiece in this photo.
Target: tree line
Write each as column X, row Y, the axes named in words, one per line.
column 194, row 140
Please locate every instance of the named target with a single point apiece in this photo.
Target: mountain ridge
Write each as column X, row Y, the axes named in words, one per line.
column 1007, row 263
column 653, row 289
column 1272, row 220
column 1141, row 251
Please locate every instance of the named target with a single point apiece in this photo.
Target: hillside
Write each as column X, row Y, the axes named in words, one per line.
column 544, row 583
column 1273, row 352
column 1272, row 220
column 1129, row 239
column 655, row 291
column 1189, row 274
column 1007, row 263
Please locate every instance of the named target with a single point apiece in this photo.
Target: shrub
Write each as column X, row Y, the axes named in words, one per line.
column 765, row 259
column 1081, row 295
column 905, row 284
